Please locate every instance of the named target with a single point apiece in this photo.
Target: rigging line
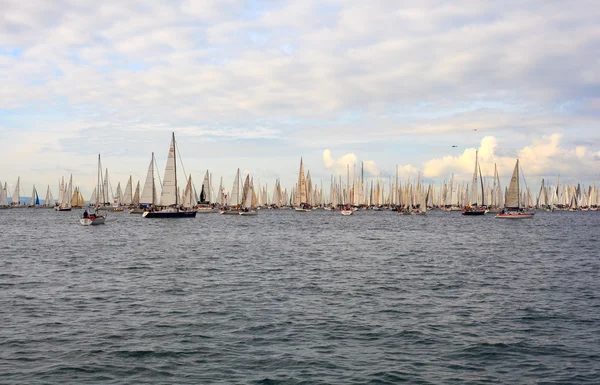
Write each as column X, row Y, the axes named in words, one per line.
column 180, row 161
column 524, row 180
column 158, row 173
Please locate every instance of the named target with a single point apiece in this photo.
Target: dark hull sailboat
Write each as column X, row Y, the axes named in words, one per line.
column 170, row 196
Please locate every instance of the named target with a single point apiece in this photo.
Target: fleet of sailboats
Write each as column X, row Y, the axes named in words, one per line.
column 176, row 196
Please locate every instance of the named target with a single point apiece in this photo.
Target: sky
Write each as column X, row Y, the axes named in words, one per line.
column 257, row 85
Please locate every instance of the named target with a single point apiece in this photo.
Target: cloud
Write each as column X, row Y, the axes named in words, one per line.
column 340, row 165
column 543, row 157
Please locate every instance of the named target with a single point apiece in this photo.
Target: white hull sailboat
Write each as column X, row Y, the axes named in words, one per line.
column 347, row 212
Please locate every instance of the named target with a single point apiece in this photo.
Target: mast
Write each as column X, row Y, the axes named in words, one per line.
column 153, row 185
column 482, row 192
column 98, row 182
column 175, row 167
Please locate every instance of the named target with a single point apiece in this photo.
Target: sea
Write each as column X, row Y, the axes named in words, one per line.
column 299, row 298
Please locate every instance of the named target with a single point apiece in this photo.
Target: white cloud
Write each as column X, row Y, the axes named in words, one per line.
column 341, row 164
column 543, row 157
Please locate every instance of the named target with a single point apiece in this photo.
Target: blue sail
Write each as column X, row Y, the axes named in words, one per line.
column 37, row 198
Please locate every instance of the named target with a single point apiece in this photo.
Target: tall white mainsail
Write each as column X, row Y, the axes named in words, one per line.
column 136, row 196
column 149, row 196
column 3, row 197
column 49, row 200
column 61, row 190
column 117, row 198
column 168, row 196
column 66, row 201
column 220, row 198
column 234, row 199
column 301, row 188
column 248, row 193
column 128, row 195
column 17, row 192
column 205, row 193
column 34, row 197
column 512, row 195
column 475, row 183
column 94, row 197
column 188, row 200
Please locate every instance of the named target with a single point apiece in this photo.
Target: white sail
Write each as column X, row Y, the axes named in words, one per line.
column 34, row 197
column 149, row 196
column 168, row 195
column 49, row 200
column 106, row 199
column 94, row 198
column 16, row 192
column 220, row 198
column 512, row 196
column 475, row 183
column 128, row 195
column 136, row 196
column 3, row 197
column 249, row 192
column 188, row 200
column 206, row 189
column 234, row 199
column 61, row 189
column 117, row 198
column 66, row 201
column 301, row 187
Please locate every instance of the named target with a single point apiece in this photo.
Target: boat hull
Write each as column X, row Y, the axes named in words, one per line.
column 248, row 213
column 515, row 216
column 474, row 212
column 230, row 212
column 347, row 212
column 206, row 211
column 169, row 214
column 92, row 222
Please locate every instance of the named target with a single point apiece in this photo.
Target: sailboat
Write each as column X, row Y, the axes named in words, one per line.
column 233, row 201
column 3, row 197
column 95, row 218
column 35, row 199
column 169, row 197
column 513, row 200
column 49, row 200
column 301, row 204
column 149, row 197
column 248, row 201
column 65, row 201
column 473, row 208
column 422, row 209
column 77, row 200
column 16, row 195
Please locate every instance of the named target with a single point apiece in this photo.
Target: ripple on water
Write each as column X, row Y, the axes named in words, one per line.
column 288, row 298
